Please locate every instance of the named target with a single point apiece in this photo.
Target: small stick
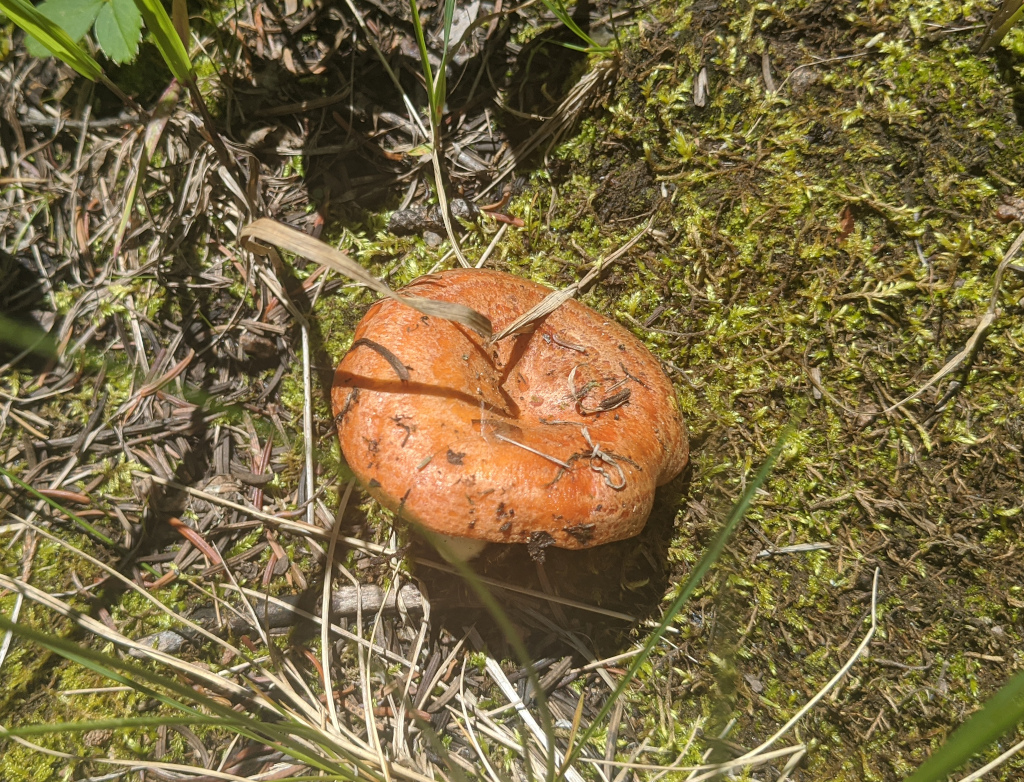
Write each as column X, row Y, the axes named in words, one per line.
column 510, row 441
column 400, row 369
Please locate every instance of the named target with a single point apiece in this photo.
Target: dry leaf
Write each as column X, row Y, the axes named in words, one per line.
column 845, row 222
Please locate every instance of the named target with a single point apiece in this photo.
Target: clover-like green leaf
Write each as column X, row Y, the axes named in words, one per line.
column 118, row 30
column 75, row 17
column 53, row 38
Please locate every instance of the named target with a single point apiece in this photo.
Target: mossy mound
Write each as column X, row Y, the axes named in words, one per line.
column 829, row 232
column 826, row 230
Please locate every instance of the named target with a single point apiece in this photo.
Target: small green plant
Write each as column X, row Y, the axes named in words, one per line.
column 116, row 25
column 57, row 27
column 56, row 40
column 437, row 88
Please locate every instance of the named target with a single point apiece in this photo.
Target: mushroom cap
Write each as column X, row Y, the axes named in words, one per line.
column 557, row 436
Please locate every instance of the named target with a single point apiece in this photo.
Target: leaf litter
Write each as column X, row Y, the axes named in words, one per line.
column 751, row 227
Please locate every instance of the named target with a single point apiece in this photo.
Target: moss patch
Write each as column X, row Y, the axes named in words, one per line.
column 834, row 235
column 826, row 229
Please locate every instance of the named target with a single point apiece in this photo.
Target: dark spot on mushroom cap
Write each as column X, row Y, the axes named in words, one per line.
column 350, row 400
column 537, row 543
column 454, row 457
column 584, row 533
column 374, row 483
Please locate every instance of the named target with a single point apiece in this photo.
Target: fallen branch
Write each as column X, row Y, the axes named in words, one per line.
column 283, row 612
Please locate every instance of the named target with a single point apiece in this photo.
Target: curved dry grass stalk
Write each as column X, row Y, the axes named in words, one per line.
column 288, row 238
column 761, row 753
column 994, row 764
column 971, row 347
column 556, row 299
column 974, row 342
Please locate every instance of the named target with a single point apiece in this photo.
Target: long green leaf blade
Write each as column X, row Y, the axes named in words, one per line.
column 23, row 336
column 160, row 26
column 85, row 525
column 711, row 556
column 52, row 36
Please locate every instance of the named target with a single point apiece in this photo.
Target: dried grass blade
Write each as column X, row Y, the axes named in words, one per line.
column 154, row 132
column 494, row 671
column 972, row 345
column 179, row 17
column 293, row 240
column 556, row 299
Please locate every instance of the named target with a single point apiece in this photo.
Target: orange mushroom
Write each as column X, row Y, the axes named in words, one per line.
column 555, row 437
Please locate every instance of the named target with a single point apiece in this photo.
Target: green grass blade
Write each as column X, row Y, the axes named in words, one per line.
column 711, row 556
column 166, row 38
column 441, row 83
column 436, row 89
column 52, row 36
column 428, row 72
column 26, row 337
column 27, row 731
column 107, row 666
column 999, row 715
column 557, row 7
column 1008, row 14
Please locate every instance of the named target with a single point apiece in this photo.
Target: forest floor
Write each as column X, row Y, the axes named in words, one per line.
column 824, row 192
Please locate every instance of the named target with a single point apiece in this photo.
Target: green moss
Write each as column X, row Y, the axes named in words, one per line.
column 840, row 228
